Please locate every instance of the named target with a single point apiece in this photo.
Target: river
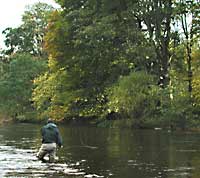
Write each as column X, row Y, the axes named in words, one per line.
column 101, row 152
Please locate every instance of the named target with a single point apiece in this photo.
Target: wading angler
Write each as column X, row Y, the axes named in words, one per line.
column 51, row 138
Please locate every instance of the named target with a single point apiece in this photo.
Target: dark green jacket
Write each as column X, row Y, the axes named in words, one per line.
column 50, row 134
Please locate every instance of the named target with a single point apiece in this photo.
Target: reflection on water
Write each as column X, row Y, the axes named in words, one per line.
column 23, row 163
column 95, row 152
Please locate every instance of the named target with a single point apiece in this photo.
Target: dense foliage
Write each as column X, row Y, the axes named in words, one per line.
column 134, row 61
column 16, row 85
column 28, row 37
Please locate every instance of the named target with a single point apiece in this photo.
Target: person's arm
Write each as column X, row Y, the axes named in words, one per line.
column 59, row 139
column 42, row 133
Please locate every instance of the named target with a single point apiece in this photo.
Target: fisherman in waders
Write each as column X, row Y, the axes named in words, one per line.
column 51, row 138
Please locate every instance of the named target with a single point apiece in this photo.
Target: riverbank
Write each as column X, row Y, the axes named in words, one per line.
column 5, row 120
column 143, row 124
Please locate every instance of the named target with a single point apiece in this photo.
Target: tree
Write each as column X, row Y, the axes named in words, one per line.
column 94, row 46
column 16, row 84
column 188, row 15
column 28, row 37
column 156, row 15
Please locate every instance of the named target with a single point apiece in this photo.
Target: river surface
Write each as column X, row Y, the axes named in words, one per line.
column 97, row 152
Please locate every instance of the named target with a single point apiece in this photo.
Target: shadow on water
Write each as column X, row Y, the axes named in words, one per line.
column 95, row 152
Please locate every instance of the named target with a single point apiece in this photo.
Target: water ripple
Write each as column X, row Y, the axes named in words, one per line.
column 23, row 162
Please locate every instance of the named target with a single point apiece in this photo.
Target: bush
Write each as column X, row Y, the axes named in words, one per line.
column 179, row 111
column 134, row 96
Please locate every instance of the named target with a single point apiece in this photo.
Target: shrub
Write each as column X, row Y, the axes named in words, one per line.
column 134, row 96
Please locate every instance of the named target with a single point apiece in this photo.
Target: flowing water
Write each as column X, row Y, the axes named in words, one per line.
column 97, row 152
